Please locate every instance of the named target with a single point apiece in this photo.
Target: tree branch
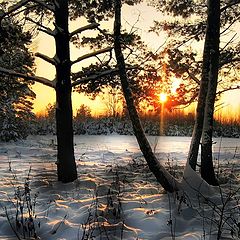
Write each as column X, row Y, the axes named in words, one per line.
column 13, row 8
column 45, row 5
column 227, row 28
column 21, row 3
column 227, row 61
column 81, row 29
column 42, row 80
column 107, row 35
column 95, row 76
column 228, row 89
column 42, row 28
column 234, row 2
column 193, row 77
column 48, row 32
column 230, row 41
column 100, row 74
column 46, row 58
column 93, row 54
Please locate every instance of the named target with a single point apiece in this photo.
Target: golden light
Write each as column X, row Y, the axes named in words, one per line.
column 162, row 97
column 175, row 85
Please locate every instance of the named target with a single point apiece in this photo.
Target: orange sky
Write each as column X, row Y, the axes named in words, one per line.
column 144, row 16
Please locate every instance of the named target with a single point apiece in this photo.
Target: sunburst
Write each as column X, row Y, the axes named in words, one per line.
column 162, row 97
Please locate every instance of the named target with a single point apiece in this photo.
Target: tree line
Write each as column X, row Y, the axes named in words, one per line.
column 176, row 123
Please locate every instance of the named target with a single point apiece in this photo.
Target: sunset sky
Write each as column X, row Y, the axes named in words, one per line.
column 143, row 16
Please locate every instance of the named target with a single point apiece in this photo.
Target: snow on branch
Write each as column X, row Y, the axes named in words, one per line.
column 81, row 29
column 46, row 58
column 42, row 80
column 93, row 54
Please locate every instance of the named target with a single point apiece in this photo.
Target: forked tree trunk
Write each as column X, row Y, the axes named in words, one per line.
column 199, row 118
column 207, row 169
column 66, row 165
column 163, row 177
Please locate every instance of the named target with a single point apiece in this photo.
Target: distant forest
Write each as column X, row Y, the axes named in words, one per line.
column 176, row 123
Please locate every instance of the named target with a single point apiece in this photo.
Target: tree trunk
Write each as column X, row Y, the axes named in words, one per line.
column 207, row 170
column 66, row 165
column 163, row 177
column 199, row 118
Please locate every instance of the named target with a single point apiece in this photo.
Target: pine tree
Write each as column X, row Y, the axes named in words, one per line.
column 16, row 95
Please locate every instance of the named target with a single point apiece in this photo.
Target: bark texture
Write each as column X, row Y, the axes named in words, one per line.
column 199, row 119
column 207, row 169
column 163, row 177
column 66, row 165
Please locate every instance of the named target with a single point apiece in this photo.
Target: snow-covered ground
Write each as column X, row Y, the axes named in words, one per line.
column 115, row 196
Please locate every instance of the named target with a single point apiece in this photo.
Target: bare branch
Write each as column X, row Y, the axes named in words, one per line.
column 48, row 32
column 229, row 42
column 35, row 22
column 81, row 29
column 42, row 80
column 46, row 58
column 193, row 77
column 228, row 89
column 109, row 59
column 134, row 25
column 93, row 54
column 235, row 20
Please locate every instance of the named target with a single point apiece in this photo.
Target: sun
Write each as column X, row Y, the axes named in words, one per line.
column 162, row 97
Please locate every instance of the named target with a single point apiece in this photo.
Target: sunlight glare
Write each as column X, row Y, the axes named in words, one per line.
column 162, row 97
